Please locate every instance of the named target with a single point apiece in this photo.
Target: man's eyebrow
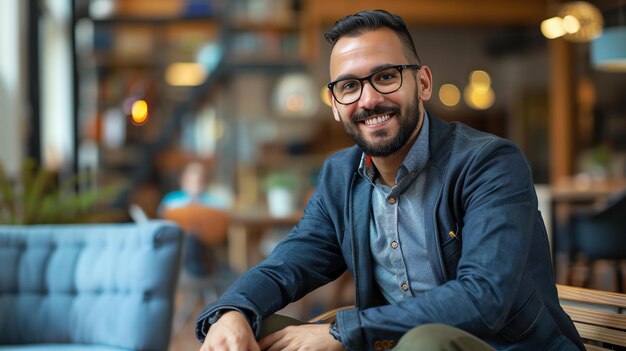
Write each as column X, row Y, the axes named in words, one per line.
column 374, row 69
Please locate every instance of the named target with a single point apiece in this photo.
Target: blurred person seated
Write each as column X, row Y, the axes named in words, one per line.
column 203, row 213
column 194, row 191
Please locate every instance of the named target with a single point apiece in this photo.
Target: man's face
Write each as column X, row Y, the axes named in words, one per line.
column 379, row 123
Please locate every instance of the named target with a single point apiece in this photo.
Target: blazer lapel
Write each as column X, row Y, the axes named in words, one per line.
column 440, row 144
column 367, row 292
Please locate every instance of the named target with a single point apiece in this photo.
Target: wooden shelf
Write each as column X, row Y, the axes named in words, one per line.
column 140, row 21
column 264, row 26
column 442, row 12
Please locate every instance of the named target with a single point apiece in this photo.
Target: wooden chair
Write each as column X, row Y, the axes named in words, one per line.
column 328, row 316
column 598, row 233
column 210, row 227
column 599, row 316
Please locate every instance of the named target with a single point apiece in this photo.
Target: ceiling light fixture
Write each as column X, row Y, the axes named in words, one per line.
column 577, row 21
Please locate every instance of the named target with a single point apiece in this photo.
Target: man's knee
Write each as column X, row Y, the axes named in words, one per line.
column 425, row 337
column 439, row 337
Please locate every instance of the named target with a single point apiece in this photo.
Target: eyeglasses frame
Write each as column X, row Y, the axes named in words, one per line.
column 368, row 78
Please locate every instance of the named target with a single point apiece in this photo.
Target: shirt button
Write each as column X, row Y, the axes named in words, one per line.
column 394, row 244
column 404, row 286
column 392, row 200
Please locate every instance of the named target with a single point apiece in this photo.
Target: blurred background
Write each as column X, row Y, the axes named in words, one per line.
column 111, row 99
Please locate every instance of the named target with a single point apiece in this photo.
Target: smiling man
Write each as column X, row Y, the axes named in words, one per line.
column 436, row 222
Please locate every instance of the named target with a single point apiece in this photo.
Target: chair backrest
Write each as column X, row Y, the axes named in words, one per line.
column 107, row 284
column 612, row 209
column 599, row 316
column 209, row 224
column 600, row 231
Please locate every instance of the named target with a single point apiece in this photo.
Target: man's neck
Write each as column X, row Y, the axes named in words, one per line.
column 387, row 166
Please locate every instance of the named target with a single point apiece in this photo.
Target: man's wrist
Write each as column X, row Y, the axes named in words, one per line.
column 333, row 329
column 221, row 312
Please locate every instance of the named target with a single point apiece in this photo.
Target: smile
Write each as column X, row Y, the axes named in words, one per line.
column 377, row 120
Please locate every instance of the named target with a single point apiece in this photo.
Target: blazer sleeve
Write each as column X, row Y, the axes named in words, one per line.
column 308, row 258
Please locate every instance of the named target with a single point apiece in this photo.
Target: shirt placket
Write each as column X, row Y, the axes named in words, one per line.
column 395, row 246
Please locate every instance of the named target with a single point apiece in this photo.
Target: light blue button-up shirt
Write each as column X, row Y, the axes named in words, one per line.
column 397, row 236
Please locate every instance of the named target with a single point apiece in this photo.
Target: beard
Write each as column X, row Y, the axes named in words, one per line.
column 408, row 123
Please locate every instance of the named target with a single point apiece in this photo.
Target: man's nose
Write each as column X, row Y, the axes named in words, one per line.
column 370, row 98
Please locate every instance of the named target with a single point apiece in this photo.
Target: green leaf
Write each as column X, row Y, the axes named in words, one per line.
column 8, row 207
column 36, row 197
column 35, row 192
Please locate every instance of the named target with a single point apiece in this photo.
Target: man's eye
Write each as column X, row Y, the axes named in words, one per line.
column 349, row 85
column 386, row 76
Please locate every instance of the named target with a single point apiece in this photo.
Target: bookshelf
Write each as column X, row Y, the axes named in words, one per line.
column 123, row 55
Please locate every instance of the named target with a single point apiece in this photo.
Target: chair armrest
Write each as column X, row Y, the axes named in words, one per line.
column 328, row 316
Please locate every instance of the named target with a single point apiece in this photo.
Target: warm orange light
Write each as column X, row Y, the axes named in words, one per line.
column 139, row 112
column 185, row 74
column 449, row 95
column 553, row 28
column 582, row 21
column 478, row 98
column 480, row 80
column 324, row 96
column 577, row 21
column 571, row 24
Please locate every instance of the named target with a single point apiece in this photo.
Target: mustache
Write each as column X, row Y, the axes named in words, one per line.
column 377, row 110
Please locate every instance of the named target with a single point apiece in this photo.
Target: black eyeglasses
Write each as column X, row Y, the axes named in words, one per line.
column 385, row 81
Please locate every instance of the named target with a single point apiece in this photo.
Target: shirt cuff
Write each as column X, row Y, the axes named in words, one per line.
column 202, row 327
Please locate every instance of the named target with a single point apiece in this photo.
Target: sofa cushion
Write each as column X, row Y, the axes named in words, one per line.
column 59, row 347
column 109, row 284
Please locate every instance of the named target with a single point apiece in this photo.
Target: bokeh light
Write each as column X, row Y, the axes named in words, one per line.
column 324, row 96
column 185, row 74
column 480, row 80
column 479, row 98
column 449, row 95
column 139, row 112
column 571, row 24
column 553, row 28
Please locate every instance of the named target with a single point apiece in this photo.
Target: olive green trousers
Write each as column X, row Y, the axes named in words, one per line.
column 428, row 337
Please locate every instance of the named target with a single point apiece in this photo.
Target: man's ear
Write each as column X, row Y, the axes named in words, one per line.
column 333, row 104
column 425, row 81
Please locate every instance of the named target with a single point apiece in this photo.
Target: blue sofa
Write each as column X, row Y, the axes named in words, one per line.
column 97, row 287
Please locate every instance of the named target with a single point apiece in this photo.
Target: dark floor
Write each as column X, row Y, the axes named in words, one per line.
column 184, row 339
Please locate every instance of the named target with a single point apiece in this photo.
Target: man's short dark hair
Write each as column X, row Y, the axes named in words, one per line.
column 364, row 21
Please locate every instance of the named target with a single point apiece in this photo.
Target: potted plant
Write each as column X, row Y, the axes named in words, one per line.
column 36, row 197
column 281, row 189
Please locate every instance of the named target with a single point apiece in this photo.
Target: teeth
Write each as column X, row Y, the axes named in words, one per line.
column 377, row 120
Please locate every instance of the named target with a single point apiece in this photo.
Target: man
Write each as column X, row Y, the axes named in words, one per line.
column 437, row 223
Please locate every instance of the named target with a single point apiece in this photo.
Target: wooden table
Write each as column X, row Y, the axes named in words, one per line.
column 244, row 235
column 572, row 190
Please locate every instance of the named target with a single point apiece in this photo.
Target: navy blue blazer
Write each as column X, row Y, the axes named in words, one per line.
column 486, row 242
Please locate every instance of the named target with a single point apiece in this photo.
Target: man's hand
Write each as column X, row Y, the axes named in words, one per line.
column 301, row 337
column 230, row 333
